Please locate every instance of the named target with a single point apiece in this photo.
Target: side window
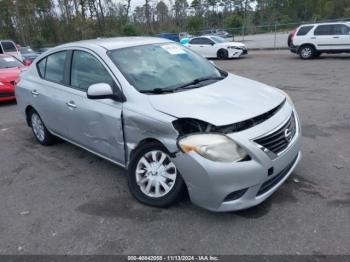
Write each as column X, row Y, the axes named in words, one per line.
column 323, row 30
column 88, row 70
column 195, row 41
column 42, row 67
column 55, row 67
column 341, row 29
column 304, row 30
column 206, row 41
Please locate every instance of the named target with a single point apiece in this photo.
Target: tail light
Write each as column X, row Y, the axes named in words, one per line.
column 293, row 34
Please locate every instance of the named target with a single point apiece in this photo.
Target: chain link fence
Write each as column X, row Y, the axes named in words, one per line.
column 271, row 36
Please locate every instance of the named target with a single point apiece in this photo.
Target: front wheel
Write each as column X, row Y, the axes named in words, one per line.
column 307, row 52
column 222, row 54
column 153, row 178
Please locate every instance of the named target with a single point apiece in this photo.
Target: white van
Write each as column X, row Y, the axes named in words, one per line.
column 8, row 47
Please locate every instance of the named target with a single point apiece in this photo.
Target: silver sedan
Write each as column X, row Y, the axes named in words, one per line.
column 174, row 120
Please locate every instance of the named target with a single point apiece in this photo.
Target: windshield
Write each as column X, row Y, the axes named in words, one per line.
column 9, row 62
column 218, row 39
column 162, row 66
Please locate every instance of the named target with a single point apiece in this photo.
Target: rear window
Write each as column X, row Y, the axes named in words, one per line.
column 8, row 46
column 304, row 30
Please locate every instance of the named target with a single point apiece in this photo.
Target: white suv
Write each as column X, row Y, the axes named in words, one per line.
column 311, row 40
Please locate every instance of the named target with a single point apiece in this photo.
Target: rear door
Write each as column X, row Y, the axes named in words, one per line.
column 49, row 92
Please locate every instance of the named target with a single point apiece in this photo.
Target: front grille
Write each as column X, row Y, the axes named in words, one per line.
column 280, row 139
column 276, row 179
column 7, row 94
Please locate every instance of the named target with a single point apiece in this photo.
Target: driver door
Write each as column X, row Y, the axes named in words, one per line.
column 94, row 124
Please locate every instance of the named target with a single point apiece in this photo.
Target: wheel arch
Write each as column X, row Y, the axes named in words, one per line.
column 306, row 44
column 144, row 142
column 27, row 111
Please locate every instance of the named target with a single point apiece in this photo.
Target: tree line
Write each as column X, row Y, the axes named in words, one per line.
column 49, row 22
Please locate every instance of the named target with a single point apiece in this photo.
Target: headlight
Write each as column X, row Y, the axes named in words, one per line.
column 232, row 47
column 2, row 84
column 214, row 147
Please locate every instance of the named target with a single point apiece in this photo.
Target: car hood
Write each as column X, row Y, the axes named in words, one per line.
column 10, row 74
column 225, row 102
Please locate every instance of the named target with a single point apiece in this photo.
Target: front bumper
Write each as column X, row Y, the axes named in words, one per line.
column 233, row 186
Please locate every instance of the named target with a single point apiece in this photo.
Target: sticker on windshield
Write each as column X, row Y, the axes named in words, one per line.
column 9, row 59
column 173, row 49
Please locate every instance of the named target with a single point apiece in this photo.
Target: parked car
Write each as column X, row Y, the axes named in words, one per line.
column 216, row 47
column 42, row 50
column 312, row 40
column 169, row 36
column 169, row 116
column 10, row 68
column 28, row 53
column 217, row 32
column 9, row 47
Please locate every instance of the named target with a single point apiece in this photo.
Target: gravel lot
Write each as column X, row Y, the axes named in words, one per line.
column 64, row 200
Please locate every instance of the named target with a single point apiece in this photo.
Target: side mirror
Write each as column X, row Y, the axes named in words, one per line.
column 100, row 91
column 27, row 62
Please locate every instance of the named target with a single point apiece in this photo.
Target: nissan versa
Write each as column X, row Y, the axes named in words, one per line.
column 172, row 118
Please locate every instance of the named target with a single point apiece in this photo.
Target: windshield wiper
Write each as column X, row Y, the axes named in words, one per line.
column 189, row 85
column 156, row 91
column 194, row 83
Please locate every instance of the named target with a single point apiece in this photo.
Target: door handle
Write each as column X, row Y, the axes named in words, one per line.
column 35, row 93
column 71, row 104
column 335, row 36
column 313, row 37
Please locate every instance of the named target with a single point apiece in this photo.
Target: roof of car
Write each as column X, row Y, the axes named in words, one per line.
column 327, row 23
column 118, row 42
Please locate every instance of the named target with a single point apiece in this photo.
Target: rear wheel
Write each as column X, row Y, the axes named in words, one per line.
column 42, row 135
column 153, row 178
column 307, row 52
column 222, row 54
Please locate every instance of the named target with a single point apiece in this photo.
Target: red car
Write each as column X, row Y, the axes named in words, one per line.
column 10, row 67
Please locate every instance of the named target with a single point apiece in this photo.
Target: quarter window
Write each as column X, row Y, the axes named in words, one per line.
column 88, row 70
column 304, row 30
column 42, row 67
column 55, row 67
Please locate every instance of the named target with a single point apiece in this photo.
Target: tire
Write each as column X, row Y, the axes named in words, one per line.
column 42, row 135
column 222, row 54
column 307, row 52
column 146, row 173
